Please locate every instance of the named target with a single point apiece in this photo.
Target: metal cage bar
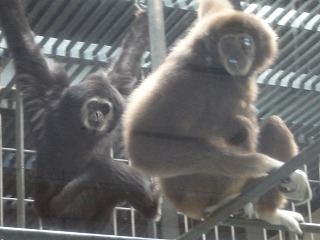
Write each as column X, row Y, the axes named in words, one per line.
column 85, row 55
column 33, row 234
column 21, row 217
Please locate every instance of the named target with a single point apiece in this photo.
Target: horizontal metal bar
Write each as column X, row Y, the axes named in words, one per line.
column 33, row 234
column 14, row 150
column 182, row 4
column 15, row 199
column 275, row 80
column 269, row 182
column 33, row 151
column 74, row 53
column 29, row 200
column 305, row 227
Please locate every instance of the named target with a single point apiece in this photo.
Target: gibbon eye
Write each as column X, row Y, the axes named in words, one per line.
column 106, row 107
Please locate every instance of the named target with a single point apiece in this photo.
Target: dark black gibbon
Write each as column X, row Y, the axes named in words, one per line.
column 77, row 183
column 193, row 123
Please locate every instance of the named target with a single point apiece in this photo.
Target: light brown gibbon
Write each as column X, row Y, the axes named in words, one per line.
column 193, row 124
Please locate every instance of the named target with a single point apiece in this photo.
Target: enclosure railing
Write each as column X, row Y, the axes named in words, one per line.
column 34, row 234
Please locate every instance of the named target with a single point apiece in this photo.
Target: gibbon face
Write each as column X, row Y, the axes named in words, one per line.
column 96, row 114
column 98, row 104
column 237, row 52
column 243, row 42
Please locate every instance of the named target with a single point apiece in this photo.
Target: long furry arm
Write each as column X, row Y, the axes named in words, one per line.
column 123, row 74
column 126, row 68
column 27, row 55
column 41, row 79
column 107, row 179
column 19, row 36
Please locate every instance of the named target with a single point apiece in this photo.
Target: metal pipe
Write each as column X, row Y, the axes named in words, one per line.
column 21, row 217
column 33, row 234
column 305, row 227
column 1, row 175
column 157, row 33
column 158, row 54
column 269, row 182
column 14, row 150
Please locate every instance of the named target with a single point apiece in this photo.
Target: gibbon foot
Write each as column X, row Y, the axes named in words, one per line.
column 157, row 196
column 296, row 188
column 249, row 212
column 285, row 218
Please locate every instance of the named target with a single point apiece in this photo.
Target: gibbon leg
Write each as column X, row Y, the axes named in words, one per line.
column 134, row 187
column 96, row 188
column 145, row 198
column 277, row 141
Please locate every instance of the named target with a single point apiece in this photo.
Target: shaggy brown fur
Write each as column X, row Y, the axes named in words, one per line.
column 193, row 121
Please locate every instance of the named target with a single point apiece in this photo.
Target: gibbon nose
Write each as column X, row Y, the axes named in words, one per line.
column 97, row 116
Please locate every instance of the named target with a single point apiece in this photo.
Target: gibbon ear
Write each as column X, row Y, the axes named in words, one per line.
column 209, row 8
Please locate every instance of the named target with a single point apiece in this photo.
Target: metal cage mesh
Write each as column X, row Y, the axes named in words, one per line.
column 84, row 34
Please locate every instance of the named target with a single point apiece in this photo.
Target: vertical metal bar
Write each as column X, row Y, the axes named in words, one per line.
column 233, row 234
column 133, row 224
column 156, row 32
column 254, row 233
column 1, row 175
column 169, row 221
column 20, row 186
column 1, row 152
column 115, row 222
column 155, row 230
column 158, row 54
column 216, row 233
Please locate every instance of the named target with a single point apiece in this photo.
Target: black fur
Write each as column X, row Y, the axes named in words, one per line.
column 77, row 183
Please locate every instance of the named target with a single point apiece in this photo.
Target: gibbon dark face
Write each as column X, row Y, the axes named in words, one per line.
column 96, row 113
column 92, row 108
column 101, row 113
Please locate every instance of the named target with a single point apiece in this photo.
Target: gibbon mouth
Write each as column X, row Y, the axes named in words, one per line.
column 236, row 68
column 233, row 61
column 96, row 124
column 95, row 131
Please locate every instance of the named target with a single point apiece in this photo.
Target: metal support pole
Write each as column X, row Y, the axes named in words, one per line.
column 21, row 217
column 1, row 175
column 269, row 182
column 169, row 221
column 156, row 32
